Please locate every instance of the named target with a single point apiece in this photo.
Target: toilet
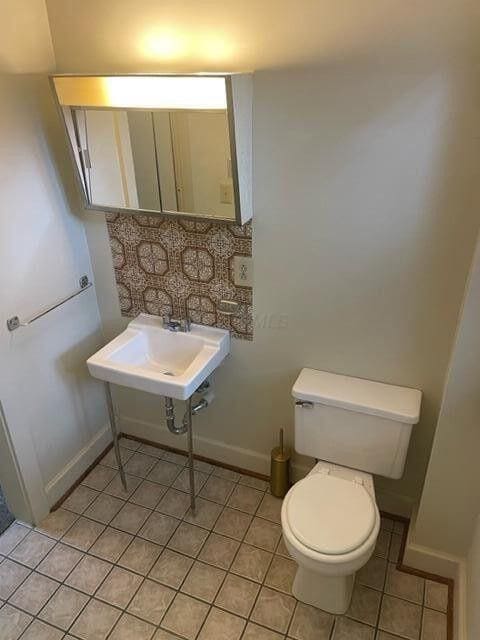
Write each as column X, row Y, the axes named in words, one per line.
column 330, row 519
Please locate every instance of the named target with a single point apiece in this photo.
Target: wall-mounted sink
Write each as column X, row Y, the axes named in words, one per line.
column 149, row 357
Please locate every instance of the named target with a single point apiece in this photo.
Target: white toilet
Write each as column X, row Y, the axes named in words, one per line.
column 330, row 518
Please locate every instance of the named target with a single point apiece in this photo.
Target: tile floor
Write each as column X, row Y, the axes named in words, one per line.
column 137, row 565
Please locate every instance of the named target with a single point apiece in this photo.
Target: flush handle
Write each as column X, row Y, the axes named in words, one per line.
column 304, row 404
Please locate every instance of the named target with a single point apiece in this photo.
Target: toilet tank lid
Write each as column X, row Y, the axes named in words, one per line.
column 401, row 404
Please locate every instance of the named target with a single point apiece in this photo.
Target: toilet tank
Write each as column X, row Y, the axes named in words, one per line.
column 353, row 422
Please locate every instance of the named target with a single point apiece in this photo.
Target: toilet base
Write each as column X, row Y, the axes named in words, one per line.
column 330, row 593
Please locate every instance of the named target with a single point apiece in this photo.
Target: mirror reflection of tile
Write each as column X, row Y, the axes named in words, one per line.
column 181, row 267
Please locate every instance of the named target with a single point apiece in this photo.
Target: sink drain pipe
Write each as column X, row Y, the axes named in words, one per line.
column 186, row 427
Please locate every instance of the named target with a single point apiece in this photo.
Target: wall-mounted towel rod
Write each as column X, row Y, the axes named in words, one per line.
column 14, row 322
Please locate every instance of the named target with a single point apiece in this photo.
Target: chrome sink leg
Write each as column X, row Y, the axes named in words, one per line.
column 190, row 455
column 113, row 426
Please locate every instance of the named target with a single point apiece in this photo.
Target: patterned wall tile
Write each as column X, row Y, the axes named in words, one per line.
column 180, row 267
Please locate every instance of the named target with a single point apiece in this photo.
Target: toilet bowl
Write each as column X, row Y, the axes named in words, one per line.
column 330, row 525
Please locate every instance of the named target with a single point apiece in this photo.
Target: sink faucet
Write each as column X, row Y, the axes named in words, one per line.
column 176, row 324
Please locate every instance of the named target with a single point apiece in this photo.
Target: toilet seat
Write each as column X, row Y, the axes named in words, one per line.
column 330, row 515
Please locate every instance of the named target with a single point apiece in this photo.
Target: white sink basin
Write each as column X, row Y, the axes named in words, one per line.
column 150, row 358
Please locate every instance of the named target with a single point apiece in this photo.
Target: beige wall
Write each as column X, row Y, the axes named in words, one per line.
column 366, row 199
column 25, row 44
column 51, row 410
column 452, row 485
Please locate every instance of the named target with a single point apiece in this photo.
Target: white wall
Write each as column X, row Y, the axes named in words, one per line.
column 365, row 195
column 51, row 410
column 452, row 484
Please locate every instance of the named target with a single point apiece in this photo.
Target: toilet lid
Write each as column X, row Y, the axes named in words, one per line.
column 329, row 514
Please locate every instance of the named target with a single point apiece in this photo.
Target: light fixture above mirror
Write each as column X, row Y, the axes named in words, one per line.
column 172, row 144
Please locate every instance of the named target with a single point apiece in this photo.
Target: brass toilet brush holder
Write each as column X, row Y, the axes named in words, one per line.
column 280, row 469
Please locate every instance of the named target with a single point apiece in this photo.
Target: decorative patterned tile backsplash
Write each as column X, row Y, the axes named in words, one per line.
column 180, row 267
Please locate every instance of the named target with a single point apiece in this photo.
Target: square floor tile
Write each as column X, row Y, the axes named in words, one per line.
column 434, row 626
column 110, row 458
column 13, row 622
column 12, row 575
column 151, row 601
column 346, row 629
column 140, row 556
column 111, row 544
column 219, row 551
column 233, row 523
column 34, row 593
column 60, row 561
column 245, row 498
column 188, row 539
column 140, row 464
column 404, row 585
column 217, row 489
column 226, row 474
column 63, row 607
column 177, row 458
column 237, row 595
column 203, row 581
column 151, row 450
column 206, row 513
column 221, row 625
column 129, row 443
column 96, row 621
column 11, row 537
column 130, row 518
column 395, row 547
column 115, row 487
column 185, row 616
column 119, row 587
column 254, row 483
column 99, row 477
column 174, row 503
column 201, row 465
column 270, row 508
column 182, row 481
column 273, row 610
column 131, row 628
column 282, row 549
column 400, row 617
column 57, row 523
column 382, row 545
column 39, row 630
column 171, row 568
column 373, row 573
column 83, row 534
column 80, row 499
column 148, row 494
column 32, row 549
column 88, row 574
column 365, row 604
column 281, row 574
column 310, row 623
column 164, row 472
column 254, row 632
column 251, row 562
column 263, row 534
column 436, row 595
column 104, row 508
column 159, row 528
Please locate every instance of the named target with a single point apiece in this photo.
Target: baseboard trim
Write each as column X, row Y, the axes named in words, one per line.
column 62, row 483
column 206, row 447
column 446, row 568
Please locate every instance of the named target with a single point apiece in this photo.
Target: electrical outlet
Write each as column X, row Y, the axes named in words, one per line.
column 226, row 193
column 243, row 271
